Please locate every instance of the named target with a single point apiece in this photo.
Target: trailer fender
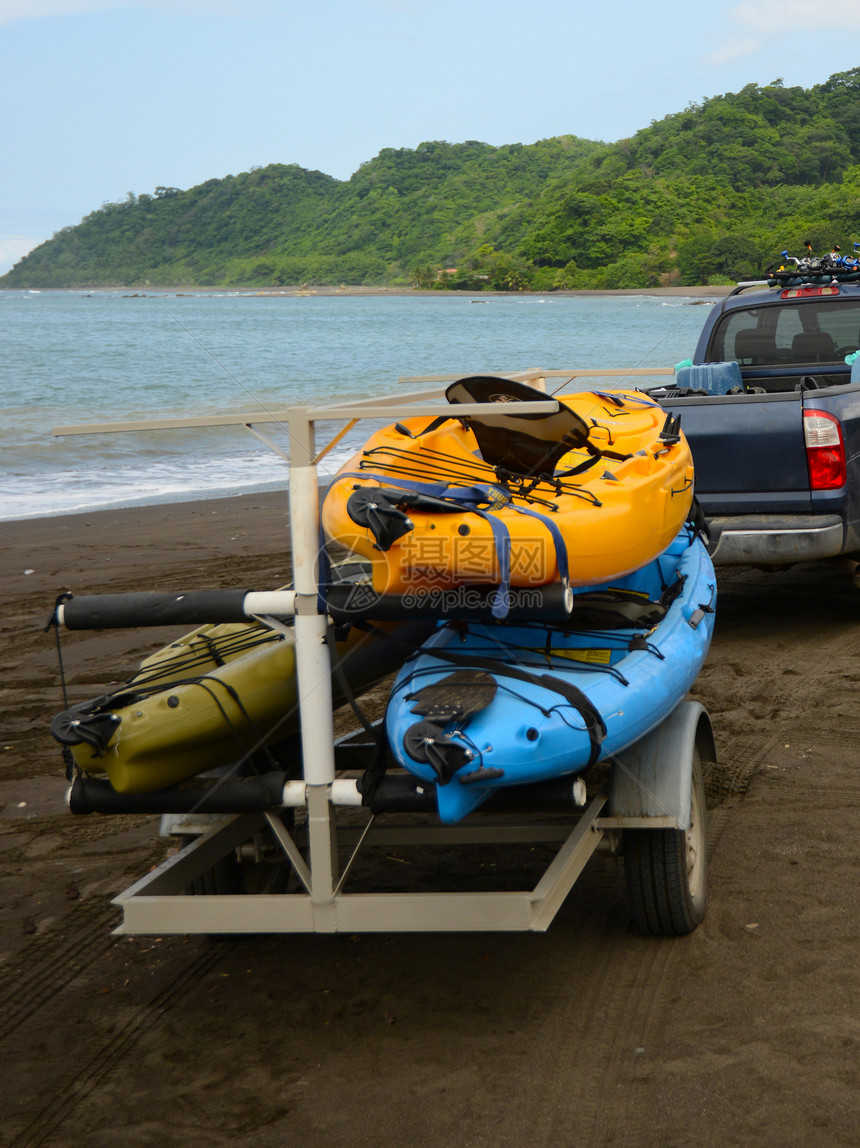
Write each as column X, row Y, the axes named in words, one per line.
column 652, row 777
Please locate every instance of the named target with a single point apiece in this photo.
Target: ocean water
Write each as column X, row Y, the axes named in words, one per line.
column 73, row 357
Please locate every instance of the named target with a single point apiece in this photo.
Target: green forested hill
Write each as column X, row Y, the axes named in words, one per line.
column 709, row 194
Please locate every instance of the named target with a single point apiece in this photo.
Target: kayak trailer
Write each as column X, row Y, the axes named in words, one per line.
column 285, row 853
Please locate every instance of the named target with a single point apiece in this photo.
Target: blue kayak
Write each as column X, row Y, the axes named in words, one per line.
column 485, row 705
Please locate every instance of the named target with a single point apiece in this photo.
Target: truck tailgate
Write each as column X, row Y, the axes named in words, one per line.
column 748, row 452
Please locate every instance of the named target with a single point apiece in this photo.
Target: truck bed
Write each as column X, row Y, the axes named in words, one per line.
column 750, row 447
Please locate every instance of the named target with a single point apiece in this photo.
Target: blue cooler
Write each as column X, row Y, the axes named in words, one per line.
column 714, row 378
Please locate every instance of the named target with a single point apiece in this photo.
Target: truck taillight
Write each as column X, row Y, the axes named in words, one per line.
column 807, row 292
column 825, row 450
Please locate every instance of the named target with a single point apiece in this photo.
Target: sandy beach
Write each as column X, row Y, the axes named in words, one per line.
column 745, row 1032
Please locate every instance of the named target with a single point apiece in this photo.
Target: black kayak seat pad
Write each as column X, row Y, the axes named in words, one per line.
column 525, row 444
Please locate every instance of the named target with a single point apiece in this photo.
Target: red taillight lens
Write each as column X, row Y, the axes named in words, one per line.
column 825, row 450
column 806, row 292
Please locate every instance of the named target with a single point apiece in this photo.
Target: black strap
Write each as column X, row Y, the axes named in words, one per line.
column 697, row 521
column 346, row 689
column 594, row 723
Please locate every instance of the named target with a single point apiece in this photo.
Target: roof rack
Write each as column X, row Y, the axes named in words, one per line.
column 750, row 283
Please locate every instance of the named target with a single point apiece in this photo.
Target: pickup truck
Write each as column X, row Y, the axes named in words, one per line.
column 775, row 428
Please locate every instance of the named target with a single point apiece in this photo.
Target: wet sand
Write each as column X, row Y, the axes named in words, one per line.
column 745, row 1032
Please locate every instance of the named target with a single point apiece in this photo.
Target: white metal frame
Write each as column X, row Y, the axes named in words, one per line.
column 155, row 904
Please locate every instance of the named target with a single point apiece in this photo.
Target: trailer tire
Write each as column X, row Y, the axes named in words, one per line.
column 666, row 870
column 234, row 876
column 225, row 877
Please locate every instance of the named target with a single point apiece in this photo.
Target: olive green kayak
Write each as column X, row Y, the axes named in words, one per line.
column 212, row 698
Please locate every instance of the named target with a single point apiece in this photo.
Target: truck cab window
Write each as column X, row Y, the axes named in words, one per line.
column 785, row 335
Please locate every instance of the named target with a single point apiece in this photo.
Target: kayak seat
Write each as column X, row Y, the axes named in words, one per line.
column 524, row 444
column 614, row 610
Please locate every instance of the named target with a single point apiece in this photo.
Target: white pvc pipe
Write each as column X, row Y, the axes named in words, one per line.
column 344, row 791
column 304, row 527
column 313, row 670
column 293, row 795
column 278, row 603
column 313, row 664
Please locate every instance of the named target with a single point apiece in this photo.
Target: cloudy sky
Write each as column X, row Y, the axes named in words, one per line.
column 103, row 97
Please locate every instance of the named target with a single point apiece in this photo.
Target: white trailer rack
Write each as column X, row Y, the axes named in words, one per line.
column 652, row 797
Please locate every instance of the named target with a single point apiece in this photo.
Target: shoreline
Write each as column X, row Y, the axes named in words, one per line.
column 297, row 291
column 667, row 292
column 161, row 504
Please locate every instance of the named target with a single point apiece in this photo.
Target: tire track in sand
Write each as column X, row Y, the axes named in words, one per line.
column 44, row 968
column 75, row 1091
column 622, row 984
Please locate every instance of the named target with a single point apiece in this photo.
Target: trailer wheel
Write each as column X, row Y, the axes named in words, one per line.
column 237, row 874
column 232, row 876
column 225, row 876
column 666, row 870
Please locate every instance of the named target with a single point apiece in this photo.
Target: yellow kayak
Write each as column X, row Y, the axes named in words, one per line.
column 585, row 495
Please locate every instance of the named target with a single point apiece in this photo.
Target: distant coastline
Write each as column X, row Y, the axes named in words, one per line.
column 672, row 292
column 325, row 291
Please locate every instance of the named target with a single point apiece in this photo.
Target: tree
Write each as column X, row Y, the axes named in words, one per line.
column 725, row 184
column 425, row 277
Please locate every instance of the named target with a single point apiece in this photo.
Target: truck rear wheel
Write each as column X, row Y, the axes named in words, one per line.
column 666, row 870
